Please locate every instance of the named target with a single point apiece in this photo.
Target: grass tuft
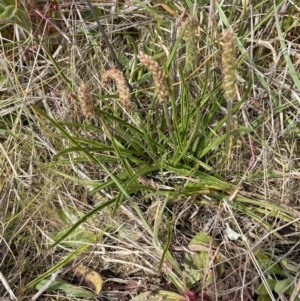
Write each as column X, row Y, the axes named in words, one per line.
column 191, row 192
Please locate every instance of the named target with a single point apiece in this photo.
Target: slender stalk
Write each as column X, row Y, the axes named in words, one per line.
column 228, row 126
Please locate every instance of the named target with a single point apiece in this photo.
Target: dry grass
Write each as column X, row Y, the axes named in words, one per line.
column 130, row 180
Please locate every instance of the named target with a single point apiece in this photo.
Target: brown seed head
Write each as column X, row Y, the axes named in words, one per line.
column 191, row 38
column 86, row 101
column 228, row 64
column 118, row 77
column 158, row 77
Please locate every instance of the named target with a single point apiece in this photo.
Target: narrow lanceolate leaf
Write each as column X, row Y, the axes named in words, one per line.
column 70, row 290
column 8, row 12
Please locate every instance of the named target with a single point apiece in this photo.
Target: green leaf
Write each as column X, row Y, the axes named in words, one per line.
column 69, row 289
column 198, row 266
column 262, row 290
column 59, row 265
column 211, row 182
column 9, row 12
column 284, row 285
column 22, row 20
column 268, row 265
column 77, row 238
column 264, row 298
column 194, row 189
column 82, row 220
column 292, row 267
column 8, row 2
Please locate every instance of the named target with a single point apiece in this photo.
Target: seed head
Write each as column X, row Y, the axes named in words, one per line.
column 86, row 101
column 118, row 77
column 228, row 64
column 158, row 77
column 191, row 38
